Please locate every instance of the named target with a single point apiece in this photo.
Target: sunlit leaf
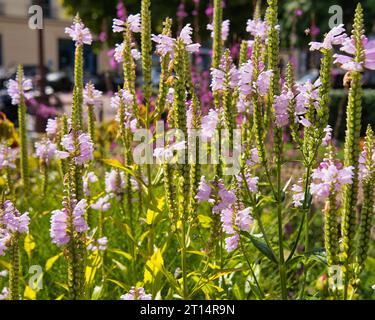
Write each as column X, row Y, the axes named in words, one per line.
column 29, row 244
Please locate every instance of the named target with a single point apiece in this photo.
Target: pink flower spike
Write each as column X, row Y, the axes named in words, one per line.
column 79, row 33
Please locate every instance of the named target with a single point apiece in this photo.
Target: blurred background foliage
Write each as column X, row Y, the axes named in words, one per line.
column 299, row 14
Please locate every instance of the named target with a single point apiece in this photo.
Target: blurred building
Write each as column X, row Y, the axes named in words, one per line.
column 19, row 43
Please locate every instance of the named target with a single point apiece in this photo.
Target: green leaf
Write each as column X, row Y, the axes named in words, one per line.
column 51, row 261
column 262, row 246
column 5, row 264
column 29, row 244
column 122, row 253
column 29, row 293
column 118, row 283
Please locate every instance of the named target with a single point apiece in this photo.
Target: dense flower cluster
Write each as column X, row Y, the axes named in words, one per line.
column 330, row 175
column 133, row 22
column 8, row 157
column 11, row 223
column 60, row 222
column 91, row 96
column 15, row 89
column 79, row 33
column 85, row 147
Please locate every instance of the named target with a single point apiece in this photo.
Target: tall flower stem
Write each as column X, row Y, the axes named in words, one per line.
column 75, row 249
column 23, row 134
column 146, row 67
column 353, row 129
column 14, row 275
column 183, row 169
column 368, row 183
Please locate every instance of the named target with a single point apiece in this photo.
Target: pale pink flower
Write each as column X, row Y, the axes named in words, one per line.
column 348, row 63
column 224, row 29
column 15, row 90
column 335, row 36
column 328, row 135
column 209, row 124
column 257, row 28
column 133, row 21
column 91, row 96
column 79, row 33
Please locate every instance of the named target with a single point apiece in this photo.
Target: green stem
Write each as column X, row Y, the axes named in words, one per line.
column 14, row 283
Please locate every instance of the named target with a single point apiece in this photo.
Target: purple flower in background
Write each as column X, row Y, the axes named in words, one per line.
column 314, row 30
column 252, row 182
column 254, row 157
column 123, row 96
column 103, row 243
column 209, row 10
column 243, row 219
column 89, row 177
column 102, row 204
column 181, row 12
column 328, row 136
column 121, row 11
column 133, row 21
column 136, row 294
column 334, row 37
column 257, row 28
column 298, row 12
column 209, row 124
column 59, row 226
column 308, row 93
column 231, row 243
column 204, row 191
column 5, row 238
column 114, row 182
column 100, row 244
column 51, row 128
column 45, row 150
column 8, row 157
column 91, row 96
column 136, row 54
column 224, row 29
column 79, row 33
column 15, row 90
column 364, row 171
column 102, row 36
column 298, row 194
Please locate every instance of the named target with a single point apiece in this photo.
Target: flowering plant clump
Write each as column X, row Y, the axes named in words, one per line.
column 223, row 183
